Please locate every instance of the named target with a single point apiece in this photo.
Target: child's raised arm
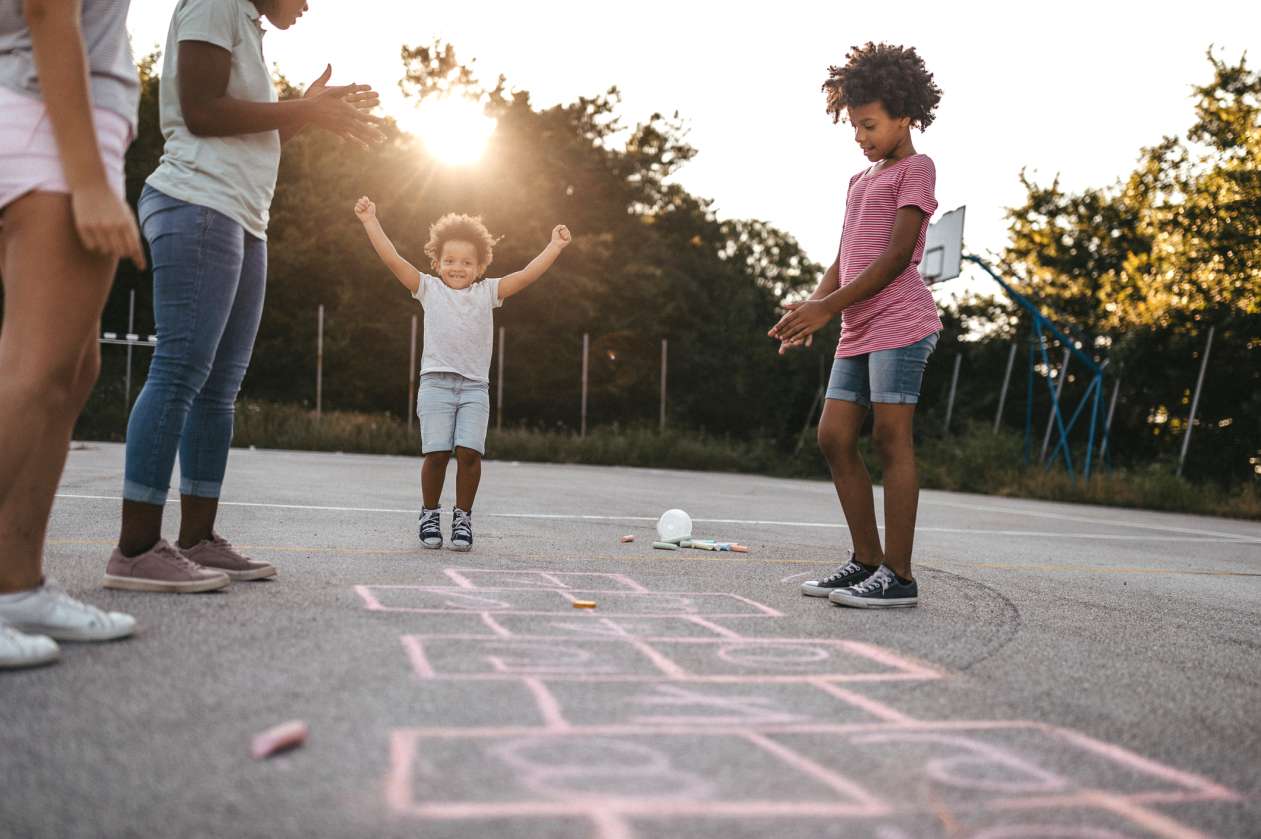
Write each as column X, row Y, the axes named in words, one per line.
column 407, row 273
column 519, row 280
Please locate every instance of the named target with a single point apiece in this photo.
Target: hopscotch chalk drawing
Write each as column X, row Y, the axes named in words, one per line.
column 637, row 714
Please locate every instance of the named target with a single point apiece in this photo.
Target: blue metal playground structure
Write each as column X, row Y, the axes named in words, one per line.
column 943, row 258
column 1091, row 400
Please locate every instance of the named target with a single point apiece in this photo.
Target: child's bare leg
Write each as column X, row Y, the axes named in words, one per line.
column 468, row 475
column 54, row 292
column 433, row 472
column 896, row 446
column 838, row 439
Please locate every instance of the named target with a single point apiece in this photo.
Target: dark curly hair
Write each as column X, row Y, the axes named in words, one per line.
column 457, row 227
column 894, row 76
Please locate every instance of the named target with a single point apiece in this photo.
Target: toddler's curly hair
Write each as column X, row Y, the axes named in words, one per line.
column 894, row 76
column 458, row 227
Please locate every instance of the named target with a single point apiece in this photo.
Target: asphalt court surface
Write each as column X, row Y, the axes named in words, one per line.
column 1071, row 671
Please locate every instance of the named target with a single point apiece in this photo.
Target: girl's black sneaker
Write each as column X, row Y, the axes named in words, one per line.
column 851, row 573
column 882, row 590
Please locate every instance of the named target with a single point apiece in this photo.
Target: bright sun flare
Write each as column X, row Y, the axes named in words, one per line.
column 454, row 130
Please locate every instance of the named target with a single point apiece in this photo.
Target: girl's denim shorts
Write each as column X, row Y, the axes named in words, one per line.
column 885, row 376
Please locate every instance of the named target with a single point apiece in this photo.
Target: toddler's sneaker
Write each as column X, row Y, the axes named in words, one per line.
column 431, row 527
column 849, row 574
column 48, row 610
column 161, row 568
column 461, row 530
column 18, row 649
column 217, row 554
column 882, row 590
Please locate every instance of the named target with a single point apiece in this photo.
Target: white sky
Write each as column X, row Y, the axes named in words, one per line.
column 1075, row 88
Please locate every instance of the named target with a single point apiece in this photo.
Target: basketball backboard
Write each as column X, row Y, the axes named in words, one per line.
column 943, row 248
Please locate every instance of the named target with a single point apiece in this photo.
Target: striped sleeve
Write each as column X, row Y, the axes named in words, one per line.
column 917, row 185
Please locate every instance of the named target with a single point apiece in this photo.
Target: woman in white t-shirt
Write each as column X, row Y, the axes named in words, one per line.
column 204, row 212
column 68, row 95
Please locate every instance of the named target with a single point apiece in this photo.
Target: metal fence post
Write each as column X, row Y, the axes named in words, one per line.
column 1002, row 395
column 664, row 350
column 586, row 345
column 954, row 383
column 411, row 377
column 499, row 396
column 131, row 330
column 1195, row 400
column 319, row 364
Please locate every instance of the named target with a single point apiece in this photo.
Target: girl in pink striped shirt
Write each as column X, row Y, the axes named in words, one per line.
column 889, row 321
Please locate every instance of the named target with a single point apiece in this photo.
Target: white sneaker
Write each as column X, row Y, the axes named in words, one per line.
column 48, row 610
column 20, row 650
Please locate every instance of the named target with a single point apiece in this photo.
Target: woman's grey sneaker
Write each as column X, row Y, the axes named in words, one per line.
column 431, row 527
column 218, row 554
column 17, row 649
column 882, row 590
column 461, row 530
column 851, row 573
column 161, row 568
column 48, row 610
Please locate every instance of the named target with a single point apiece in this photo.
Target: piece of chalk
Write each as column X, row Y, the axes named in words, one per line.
column 665, row 546
column 280, row 738
column 629, row 537
column 584, row 604
column 740, row 549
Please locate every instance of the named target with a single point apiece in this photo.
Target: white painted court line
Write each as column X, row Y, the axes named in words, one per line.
column 1209, row 537
column 1018, row 511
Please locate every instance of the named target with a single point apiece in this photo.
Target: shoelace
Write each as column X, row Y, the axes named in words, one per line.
column 177, row 557
column 430, row 524
column 879, row 580
column 842, row 572
column 462, row 526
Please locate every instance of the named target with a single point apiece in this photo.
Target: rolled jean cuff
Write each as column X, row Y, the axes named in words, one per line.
column 133, row 491
column 894, row 398
column 201, row 489
column 840, row 394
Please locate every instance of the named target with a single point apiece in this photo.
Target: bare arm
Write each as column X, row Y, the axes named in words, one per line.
column 209, row 112
column 102, row 220
column 406, row 273
column 810, row 316
column 520, row 280
column 828, row 283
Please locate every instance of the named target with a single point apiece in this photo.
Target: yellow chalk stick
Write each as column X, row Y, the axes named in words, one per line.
column 584, row 604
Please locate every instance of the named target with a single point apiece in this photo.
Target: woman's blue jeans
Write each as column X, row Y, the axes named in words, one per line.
column 209, row 277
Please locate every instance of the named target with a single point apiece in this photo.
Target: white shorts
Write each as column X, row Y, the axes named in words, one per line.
column 28, row 150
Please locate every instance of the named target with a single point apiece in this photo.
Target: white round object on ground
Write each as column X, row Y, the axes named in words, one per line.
column 674, row 526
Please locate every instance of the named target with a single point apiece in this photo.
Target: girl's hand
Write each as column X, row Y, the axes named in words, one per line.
column 365, row 210
column 361, row 96
column 329, row 109
column 561, row 237
column 105, row 224
column 801, row 320
column 785, row 346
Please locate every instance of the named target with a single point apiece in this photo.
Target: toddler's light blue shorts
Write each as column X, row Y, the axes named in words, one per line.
column 885, row 376
column 454, row 411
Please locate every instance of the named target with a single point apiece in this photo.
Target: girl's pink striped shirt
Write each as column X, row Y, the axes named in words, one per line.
column 904, row 311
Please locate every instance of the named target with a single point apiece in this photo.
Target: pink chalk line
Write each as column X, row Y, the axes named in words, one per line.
column 457, row 575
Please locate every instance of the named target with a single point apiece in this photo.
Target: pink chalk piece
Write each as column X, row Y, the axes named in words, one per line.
column 629, row 537
column 280, row 738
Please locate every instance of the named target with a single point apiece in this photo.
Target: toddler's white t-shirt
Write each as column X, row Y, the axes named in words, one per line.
column 459, row 327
